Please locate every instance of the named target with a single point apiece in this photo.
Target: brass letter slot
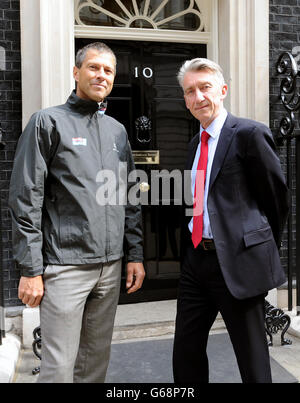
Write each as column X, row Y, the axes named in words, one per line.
column 146, row 157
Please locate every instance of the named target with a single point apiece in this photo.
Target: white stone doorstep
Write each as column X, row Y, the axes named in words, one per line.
column 294, row 328
column 9, row 355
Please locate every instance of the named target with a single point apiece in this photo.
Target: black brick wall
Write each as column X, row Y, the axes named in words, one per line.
column 10, row 120
column 284, row 36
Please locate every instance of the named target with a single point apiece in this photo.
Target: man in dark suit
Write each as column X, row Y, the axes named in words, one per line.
column 230, row 245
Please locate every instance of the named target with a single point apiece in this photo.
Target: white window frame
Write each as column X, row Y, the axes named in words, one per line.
column 209, row 9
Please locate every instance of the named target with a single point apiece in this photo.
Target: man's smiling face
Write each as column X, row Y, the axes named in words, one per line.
column 95, row 78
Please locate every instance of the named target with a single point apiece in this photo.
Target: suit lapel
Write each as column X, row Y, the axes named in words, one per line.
column 224, row 142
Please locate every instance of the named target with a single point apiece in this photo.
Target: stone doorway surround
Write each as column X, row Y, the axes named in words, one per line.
column 237, row 38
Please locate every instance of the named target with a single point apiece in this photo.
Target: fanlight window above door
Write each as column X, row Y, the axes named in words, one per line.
column 184, row 15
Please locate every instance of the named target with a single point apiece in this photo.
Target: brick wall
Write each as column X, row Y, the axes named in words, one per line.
column 10, row 120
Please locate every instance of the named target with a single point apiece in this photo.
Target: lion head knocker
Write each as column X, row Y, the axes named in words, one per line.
column 143, row 128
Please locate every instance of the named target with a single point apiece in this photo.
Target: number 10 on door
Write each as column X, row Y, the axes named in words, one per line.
column 147, row 72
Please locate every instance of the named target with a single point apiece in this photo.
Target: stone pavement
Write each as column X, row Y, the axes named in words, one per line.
column 151, row 323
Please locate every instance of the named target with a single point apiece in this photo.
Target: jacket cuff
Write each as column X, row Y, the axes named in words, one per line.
column 135, row 259
column 30, row 271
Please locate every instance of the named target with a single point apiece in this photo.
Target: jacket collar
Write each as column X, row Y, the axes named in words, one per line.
column 82, row 105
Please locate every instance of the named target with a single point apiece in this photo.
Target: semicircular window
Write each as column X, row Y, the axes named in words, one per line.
column 184, row 15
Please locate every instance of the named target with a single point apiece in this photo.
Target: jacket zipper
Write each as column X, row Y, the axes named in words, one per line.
column 102, row 167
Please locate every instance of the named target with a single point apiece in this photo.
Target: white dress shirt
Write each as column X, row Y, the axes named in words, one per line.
column 214, row 130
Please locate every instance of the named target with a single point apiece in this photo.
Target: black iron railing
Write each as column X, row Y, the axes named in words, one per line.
column 290, row 136
column 276, row 320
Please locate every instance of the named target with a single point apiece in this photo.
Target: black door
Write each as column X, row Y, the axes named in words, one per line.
column 148, row 100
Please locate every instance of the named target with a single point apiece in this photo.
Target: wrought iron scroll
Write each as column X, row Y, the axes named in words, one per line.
column 290, row 99
column 289, row 95
column 36, row 346
column 276, row 320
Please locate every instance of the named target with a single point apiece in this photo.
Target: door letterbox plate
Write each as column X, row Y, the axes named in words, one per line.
column 146, row 157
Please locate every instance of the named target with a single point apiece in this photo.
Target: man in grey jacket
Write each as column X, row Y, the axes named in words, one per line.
column 67, row 244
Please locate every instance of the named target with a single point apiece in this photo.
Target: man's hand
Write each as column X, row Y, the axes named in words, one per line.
column 135, row 276
column 31, row 290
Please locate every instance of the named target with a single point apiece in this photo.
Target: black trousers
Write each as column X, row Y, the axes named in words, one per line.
column 202, row 294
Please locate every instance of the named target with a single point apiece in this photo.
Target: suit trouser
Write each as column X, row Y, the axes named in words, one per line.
column 77, row 317
column 202, row 294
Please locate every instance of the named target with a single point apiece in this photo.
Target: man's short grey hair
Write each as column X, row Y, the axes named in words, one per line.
column 99, row 46
column 200, row 64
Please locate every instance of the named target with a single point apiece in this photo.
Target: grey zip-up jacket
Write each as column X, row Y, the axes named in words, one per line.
column 57, row 182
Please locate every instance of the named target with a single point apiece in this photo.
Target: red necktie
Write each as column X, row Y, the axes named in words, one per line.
column 199, row 191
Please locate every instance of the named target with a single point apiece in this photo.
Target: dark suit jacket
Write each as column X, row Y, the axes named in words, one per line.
column 247, row 206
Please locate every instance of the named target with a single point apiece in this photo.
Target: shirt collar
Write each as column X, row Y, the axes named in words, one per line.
column 214, row 129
